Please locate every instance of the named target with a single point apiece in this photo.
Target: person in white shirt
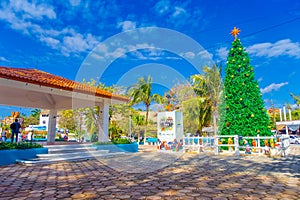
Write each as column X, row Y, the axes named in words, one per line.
column 29, row 136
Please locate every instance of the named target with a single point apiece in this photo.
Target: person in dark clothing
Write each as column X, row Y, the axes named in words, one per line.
column 15, row 128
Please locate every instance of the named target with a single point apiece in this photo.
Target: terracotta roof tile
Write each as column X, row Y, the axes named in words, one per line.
column 38, row 77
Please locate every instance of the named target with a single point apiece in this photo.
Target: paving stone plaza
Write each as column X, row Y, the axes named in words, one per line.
column 154, row 175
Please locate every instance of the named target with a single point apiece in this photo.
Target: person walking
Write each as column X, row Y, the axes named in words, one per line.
column 15, row 128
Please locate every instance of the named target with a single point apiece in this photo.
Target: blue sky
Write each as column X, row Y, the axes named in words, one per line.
column 60, row 37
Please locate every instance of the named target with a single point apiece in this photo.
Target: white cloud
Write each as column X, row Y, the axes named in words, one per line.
column 162, row 6
column 119, row 52
column 28, row 10
column 75, row 2
column 3, row 59
column 205, row 54
column 30, row 18
column 178, row 11
column 78, row 43
column 140, row 46
column 260, row 79
column 127, row 25
column 141, row 51
column 222, row 53
column 50, row 41
column 280, row 48
column 272, row 87
column 189, row 54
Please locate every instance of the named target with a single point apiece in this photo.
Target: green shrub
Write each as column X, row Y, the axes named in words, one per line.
column 94, row 137
column 21, row 145
column 114, row 141
column 120, row 141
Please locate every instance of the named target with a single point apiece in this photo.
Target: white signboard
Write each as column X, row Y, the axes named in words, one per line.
column 169, row 126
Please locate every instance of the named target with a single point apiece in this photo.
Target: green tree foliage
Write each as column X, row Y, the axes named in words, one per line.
column 295, row 115
column 209, row 87
column 33, row 119
column 30, row 121
column 196, row 114
column 119, row 116
column 141, row 92
column 91, row 115
column 296, row 98
column 36, row 113
column 137, row 122
column 243, row 110
column 67, row 120
column 178, row 93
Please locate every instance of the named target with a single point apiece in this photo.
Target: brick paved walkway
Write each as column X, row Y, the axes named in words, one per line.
column 153, row 175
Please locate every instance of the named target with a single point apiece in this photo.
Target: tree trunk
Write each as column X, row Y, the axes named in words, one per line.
column 200, row 124
column 147, row 112
column 215, row 122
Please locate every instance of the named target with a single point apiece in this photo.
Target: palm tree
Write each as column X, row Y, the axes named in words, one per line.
column 141, row 92
column 91, row 114
column 138, row 121
column 35, row 113
column 296, row 99
column 196, row 113
column 209, row 85
column 91, row 119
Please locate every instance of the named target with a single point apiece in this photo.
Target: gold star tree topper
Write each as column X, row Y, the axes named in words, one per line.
column 235, row 32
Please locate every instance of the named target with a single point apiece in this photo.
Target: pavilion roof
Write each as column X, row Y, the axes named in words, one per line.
column 42, row 78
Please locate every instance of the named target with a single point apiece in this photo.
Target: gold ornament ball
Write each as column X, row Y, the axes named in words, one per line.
column 257, row 86
column 258, row 131
column 241, row 99
column 243, row 83
column 232, row 76
column 247, row 74
column 252, row 115
column 227, row 123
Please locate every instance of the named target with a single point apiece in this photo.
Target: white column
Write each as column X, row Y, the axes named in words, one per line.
column 103, row 122
column 280, row 113
column 284, row 113
column 51, row 126
column 290, row 114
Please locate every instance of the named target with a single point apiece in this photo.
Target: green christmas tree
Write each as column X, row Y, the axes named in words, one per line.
column 242, row 109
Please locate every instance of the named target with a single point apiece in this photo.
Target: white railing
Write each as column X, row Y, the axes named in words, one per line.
column 234, row 146
column 200, row 144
